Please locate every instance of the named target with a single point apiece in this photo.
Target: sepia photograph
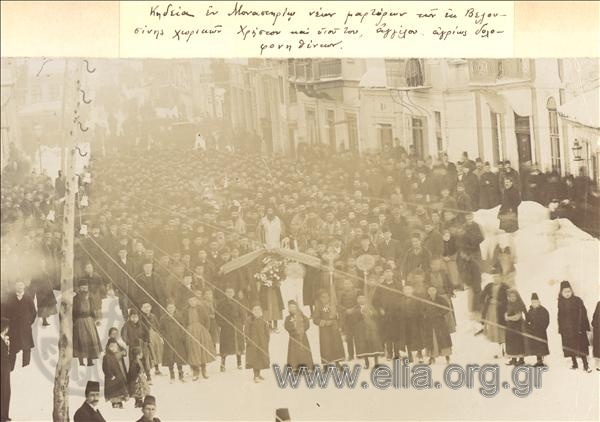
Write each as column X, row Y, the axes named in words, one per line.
column 307, row 239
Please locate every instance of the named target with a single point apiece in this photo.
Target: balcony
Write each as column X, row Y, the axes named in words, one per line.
column 498, row 72
column 329, row 69
column 406, row 74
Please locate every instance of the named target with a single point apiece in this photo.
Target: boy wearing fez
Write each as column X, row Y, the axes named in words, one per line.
column 537, row 320
column 149, row 410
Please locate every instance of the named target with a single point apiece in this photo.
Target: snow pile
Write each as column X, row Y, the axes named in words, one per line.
column 547, row 252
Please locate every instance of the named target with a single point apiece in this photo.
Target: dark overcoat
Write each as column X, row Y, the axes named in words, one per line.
column 229, row 317
column 537, row 321
column 330, row 337
column 257, row 349
column 435, row 322
column 573, row 325
column 172, row 332
column 115, row 377
column 21, row 314
column 299, row 353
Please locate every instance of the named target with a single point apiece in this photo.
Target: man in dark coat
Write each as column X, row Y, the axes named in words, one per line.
column 88, row 411
column 489, row 191
column 508, row 213
column 573, row 325
column 436, row 333
column 511, row 174
column 299, row 352
column 416, row 257
column 20, row 310
column 258, row 332
column 389, row 248
column 174, row 336
column 330, row 338
column 5, row 370
column 537, row 321
column 123, row 271
column 229, row 317
column 387, row 300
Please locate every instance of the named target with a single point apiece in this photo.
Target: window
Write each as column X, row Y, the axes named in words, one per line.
column 291, row 68
column 393, row 72
column 438, row 132
column 496, row 136
column 384, row 135
column 418, row 136
column 414, row 73
column 352, row 132
column 554, row 135
column 330, row 68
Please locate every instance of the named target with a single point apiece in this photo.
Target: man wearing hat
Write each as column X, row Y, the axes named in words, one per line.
column 88, row 412
column 489, row 190
column 537, row 320
column 149, row 410
column 5, row 368
column 20, row 309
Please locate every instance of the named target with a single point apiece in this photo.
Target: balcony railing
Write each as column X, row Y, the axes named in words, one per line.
column 330, row 68
column 497, row 71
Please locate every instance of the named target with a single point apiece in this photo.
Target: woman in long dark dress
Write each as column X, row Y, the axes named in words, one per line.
column 299, row 352
column 514, row 316
column 537, row 321
column 115, row 375
column 573, row 325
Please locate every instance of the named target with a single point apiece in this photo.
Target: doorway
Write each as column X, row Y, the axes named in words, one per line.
column 523, row 135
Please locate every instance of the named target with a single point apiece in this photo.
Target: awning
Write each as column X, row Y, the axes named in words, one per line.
column 375, row 76
column 583, row 109
column 519, row 100
column 496, row 102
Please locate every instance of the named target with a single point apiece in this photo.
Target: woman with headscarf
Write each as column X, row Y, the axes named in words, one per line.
column 573, row 326
column 514, row 316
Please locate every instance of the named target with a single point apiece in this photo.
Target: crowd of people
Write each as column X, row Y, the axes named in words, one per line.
column 156, row 228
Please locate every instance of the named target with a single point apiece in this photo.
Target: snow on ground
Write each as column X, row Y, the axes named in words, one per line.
column 547, row 252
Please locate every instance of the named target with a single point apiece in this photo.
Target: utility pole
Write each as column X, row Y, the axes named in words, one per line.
column 60, row 412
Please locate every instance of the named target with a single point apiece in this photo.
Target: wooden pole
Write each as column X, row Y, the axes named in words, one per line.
column 60, row 411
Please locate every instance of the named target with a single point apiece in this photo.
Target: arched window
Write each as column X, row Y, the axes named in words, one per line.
column 554, row 134
column 414, row 73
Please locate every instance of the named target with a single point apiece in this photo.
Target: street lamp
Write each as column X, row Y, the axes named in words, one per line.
column 577, row 150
